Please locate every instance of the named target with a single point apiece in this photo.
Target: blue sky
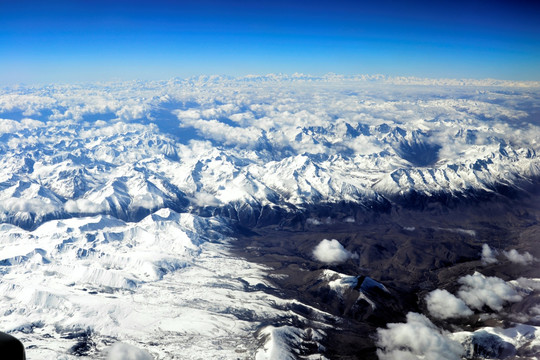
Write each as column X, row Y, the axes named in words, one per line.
column 72, row 41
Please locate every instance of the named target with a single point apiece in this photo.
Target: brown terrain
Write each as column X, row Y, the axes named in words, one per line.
column 412, row 251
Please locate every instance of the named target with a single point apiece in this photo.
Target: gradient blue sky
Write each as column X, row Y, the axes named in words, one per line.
column 72, row 41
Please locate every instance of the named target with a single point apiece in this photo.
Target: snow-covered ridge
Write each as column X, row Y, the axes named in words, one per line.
column 127, row 149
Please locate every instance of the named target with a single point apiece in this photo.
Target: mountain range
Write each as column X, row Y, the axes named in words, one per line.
column 181, row 217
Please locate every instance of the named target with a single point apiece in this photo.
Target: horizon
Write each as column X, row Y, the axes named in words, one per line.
column 381, row 79
column 74, row 42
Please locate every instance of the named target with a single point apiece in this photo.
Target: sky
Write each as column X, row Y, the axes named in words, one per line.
column 87, row 40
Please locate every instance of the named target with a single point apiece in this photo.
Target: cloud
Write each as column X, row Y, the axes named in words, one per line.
column 417, row 338
column 122, row 351
column 8, row 126
column 332, row 252
column 478, row 291
column 34, row 206
column 205, row 199
column 535, row 310
column 489, row 255
column 444, row 305
column 229, row 135
column 260, row 125
column 517, row 258
column 83, row 206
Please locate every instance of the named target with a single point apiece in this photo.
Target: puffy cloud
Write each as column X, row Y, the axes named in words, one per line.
column 205, row 199
column 133, row 112
column 517, row 258
column 186, row 115
column 229, row 135
column 332, row 252
column 489, row 255
column 417, row 338
column 478, row 290
column 8, row 126
column 363, row 145
column 122, row 351
column 444, row 305
column 83, row 206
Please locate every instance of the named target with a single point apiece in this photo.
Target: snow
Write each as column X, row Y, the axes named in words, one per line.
column 495, row 340
column 341, row 284
column 280, row 342
column 338, row 282
column 160, row 283
column 104, row 179
column 336, row 139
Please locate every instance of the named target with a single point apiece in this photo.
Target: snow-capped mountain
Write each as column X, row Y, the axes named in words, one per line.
column 285, row 145
column 122, row 206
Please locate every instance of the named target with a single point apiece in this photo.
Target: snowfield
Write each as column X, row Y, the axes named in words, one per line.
column 165, row 284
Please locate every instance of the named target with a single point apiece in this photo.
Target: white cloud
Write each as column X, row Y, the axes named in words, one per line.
column 478, row 291
column 352, row 125
column 135, row 111
column 418, row 338
column 332, row 252
column 517, row 258
column 459, row 231
column 8, row 126
column 489, row 255
column 31, row 123
column 535, row 310
column 122, row 351
column 205, row 199
column 35, row 206
column 225, row 133
column 117, row 128
column 444, row 305
column 83, row 206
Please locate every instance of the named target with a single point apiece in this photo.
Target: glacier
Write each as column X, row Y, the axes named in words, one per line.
column 122, row 205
